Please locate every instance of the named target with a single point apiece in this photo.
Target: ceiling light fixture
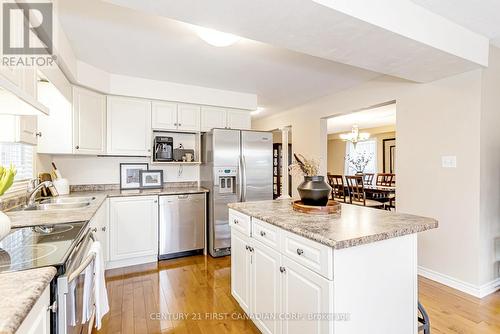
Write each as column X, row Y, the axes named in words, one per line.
column 355, row 136
column 257, row 111
column 217, row 38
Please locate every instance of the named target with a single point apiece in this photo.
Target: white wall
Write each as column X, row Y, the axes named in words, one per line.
column 106, row 170
column 490, row 170
column 434, row 119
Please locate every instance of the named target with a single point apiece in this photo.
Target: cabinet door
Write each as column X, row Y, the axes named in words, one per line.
column 56, row 133
column 188, row 117
column 38, row 319
column 240, row 269
column 133, row 227
column 28, row 129
column 212, row 117
column 129, row 126
column 238, row 119
column 164, row 115
column 89, row 122
column 99, row 224
column 305, row 292
column 266, row 286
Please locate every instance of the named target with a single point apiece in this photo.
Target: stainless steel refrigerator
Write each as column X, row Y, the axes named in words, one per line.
column 236, row 167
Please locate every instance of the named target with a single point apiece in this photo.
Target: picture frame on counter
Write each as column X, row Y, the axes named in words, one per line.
column 130, row 175
column 151, row 179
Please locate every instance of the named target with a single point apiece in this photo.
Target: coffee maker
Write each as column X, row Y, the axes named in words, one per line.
column 163, row 148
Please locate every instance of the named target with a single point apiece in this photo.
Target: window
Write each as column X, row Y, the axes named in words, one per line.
column 370, row 147
column 21, row 156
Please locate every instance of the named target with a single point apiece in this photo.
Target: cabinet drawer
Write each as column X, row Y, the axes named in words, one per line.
column 311, row 254
column 239, row 222
column 266, row 233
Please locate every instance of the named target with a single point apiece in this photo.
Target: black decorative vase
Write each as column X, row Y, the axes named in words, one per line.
column 314, row 191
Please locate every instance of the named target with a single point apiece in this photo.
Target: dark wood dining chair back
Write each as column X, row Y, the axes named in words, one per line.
column 337, row 184
column 386, row 180
column 356, row 188
column 368, row 179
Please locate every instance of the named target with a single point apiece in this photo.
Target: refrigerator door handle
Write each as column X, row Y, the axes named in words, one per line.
column 240, row 181
column 244, row 183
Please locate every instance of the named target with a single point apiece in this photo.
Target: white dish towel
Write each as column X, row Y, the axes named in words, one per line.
column 100, row 292
column 98, row 295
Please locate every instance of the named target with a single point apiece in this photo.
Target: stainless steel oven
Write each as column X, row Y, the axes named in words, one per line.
column 71, row 287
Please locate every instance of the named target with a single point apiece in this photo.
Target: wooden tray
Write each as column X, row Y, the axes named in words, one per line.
column 330, row 208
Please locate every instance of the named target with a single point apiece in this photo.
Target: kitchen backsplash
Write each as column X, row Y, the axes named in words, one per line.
column 93, row 170
column 104, row 187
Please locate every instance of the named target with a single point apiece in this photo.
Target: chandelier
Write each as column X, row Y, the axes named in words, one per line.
column 355, row 136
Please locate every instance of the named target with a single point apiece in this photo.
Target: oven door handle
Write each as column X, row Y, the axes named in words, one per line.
column 83, row 265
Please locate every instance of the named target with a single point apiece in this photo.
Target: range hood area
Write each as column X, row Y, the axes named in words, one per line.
column 15, row 101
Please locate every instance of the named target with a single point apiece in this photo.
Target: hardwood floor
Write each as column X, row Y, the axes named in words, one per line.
column 180, row 296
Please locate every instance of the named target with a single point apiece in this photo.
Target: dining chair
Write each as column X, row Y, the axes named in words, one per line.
column 357, row 194
column 368, row 179
column 385, row 179
column 338, row 188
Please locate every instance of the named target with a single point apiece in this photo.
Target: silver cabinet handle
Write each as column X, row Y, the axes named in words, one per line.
column 247, row 247
column 155, row 201
column 53, row 307
column 179, row 124
column 94, row 229
column 175, row 124
column 39, row 134
column 262, row 233
column 250, row 248
column 103, row 228
column 300, row 251
column 235, row 221
column 282, row 269
column 77, row 147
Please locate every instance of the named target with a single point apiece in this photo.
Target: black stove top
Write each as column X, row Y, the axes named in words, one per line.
column 38, row 246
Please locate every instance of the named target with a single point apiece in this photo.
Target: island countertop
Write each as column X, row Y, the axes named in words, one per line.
column 353, row 226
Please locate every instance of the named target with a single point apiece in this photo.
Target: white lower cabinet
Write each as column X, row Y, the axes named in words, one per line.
column 281, row 295
column 133, row 225
column 99, row 225
column 266, row 287
column 307, row 294
column 38, row 319
column 240, row 269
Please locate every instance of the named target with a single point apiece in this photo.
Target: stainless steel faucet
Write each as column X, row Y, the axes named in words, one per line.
column 33, row 188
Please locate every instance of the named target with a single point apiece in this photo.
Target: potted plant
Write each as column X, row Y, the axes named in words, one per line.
column 359, row 161
column 313, row 190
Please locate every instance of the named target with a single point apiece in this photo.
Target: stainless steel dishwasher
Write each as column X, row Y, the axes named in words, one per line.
column 182, row 225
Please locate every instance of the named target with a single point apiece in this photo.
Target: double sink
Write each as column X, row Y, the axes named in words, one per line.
column 57, row 203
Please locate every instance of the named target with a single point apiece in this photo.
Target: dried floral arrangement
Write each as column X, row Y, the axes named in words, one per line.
column 359, row 161
column 303, row 166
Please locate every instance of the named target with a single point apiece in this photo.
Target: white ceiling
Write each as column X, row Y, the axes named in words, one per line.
column 369, row 118
column 130, row 42
column 481, row 16
column 394, row 37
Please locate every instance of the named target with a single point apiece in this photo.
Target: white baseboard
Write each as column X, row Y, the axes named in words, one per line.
column 131, row 262
column 478, row 291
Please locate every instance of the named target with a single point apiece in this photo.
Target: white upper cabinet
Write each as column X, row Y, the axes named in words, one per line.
column 89, row 122
column 55, row 130
column 164, row 115
column 129, row 126
column 238, row 119
column 173, row 116
column 188, row 117
column 217, row 117
column 18, row 129
column 212, row 117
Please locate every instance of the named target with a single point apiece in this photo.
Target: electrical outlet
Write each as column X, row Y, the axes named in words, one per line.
column 449, row 161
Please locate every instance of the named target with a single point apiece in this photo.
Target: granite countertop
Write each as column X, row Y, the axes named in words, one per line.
column 49, row 217
column 353, row 226
column 19, row 291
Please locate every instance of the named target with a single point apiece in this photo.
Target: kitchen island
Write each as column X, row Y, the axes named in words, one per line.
column 300, row 273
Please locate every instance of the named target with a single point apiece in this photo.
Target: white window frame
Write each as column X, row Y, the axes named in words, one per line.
column 20, row 186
